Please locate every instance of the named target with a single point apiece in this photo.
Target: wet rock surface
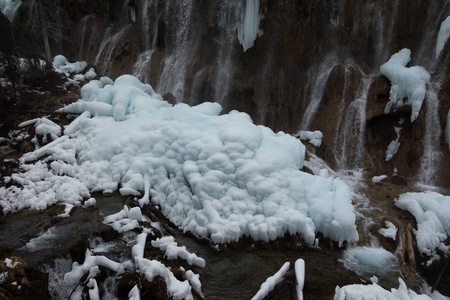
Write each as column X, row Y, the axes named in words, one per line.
column 233, row 271
column 196, row 57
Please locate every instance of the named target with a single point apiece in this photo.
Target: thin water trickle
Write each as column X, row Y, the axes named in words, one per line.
column 318, row 88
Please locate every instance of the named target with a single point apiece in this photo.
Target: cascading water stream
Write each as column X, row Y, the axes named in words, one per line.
column 227, row 21
column 102, row 46
column 82, row 35
column 341, row 113
column 148, row 24
column 431, row 157
column 172, row 79
column 104, row 58
column 435, row 14
column 349, row 149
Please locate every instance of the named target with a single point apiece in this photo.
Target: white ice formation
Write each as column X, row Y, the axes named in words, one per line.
column 443, row 35
column 378, row 179
column 173, row 251
column 268, row 285
column 300, row 277
column 125, row 220
column 62, row 65
column 390, row 231
column 409, row 83
column 431, row 211
column 152, row 268
column 90, row 263
column 393, row 145
column 313, row 137
column 248, row 29
column 374, row 291
column 217, row 176
column 9, row 8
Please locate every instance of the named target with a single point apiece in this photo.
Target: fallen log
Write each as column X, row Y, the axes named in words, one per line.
column 410, row 248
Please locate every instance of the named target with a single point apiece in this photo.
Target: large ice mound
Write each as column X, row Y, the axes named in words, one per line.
column 217, row 176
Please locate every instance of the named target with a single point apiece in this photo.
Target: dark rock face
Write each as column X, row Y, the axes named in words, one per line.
column 322, row 52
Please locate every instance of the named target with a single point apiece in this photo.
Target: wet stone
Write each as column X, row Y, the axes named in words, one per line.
column 397, row 180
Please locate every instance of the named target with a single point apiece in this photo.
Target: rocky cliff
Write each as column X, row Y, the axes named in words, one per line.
column 314, row 65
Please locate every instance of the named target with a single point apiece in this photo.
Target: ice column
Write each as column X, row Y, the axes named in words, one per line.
column 248, row 30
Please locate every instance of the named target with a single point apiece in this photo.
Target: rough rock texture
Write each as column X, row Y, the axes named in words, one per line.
column 189, row 52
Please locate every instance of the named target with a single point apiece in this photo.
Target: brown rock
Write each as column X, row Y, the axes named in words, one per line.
column 78, row 250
